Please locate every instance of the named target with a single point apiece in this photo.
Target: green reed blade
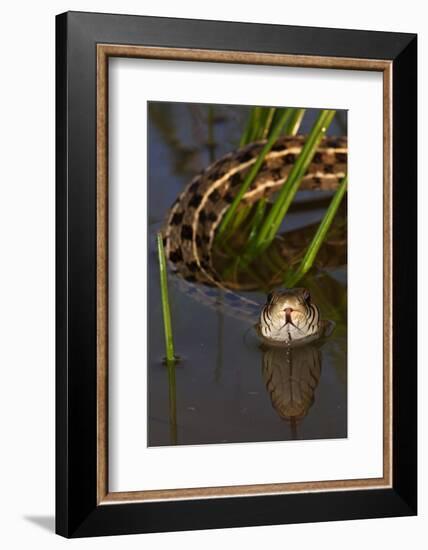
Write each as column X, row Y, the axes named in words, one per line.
column 235, row 265
column 291, row 129
column 244, row 136
column 257, row 123
column 239, row 219
column 258, row 218
column 279, row 111
column 264, row 122
column 248, row 129
column 293, row 277
column 286, row 115
column 252, row 129
column 169, row 343
column 275, row 216
column 268, row 122
column 293, row 126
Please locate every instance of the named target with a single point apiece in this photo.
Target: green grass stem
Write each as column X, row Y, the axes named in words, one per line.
column 239, row 219
column 276, row 214
column 293, row 126
column 253, row 127
column 247, row 130
column 293, row 277
column 284, row 119
column 268, row 122
column 257, row 218
column 258, row 124
column 169, row 342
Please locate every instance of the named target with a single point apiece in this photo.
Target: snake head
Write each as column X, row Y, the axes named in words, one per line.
column 289, row 315
column 294, row 299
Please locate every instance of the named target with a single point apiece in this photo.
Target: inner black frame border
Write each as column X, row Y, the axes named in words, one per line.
column 77, row 512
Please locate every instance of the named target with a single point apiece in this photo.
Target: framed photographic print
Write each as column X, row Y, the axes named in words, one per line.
column 236, row 274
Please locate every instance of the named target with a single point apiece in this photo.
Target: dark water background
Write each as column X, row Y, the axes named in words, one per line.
column 217, row 393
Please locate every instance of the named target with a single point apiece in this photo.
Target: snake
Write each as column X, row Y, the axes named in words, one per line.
column 192, row 220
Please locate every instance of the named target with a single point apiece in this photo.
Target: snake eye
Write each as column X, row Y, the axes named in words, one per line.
column 269, row 297
column 306, row 295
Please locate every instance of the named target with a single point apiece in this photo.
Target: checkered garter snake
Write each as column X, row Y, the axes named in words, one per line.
column 192, row 220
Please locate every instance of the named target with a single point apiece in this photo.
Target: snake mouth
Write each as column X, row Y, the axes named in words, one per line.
column 288, row 311
column 288, row 320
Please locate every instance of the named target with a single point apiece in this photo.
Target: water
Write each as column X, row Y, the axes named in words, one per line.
column 226, row 387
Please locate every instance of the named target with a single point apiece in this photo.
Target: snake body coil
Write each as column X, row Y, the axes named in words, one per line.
column 193, row 218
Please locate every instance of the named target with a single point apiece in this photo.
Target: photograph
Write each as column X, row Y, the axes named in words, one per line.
column 247, row 273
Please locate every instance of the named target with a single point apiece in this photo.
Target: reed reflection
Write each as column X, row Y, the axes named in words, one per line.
column 172, row 404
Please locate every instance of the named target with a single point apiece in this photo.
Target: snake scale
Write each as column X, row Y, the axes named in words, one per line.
column 197, row 212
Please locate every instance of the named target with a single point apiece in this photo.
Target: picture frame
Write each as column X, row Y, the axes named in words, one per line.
column 84, row 44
